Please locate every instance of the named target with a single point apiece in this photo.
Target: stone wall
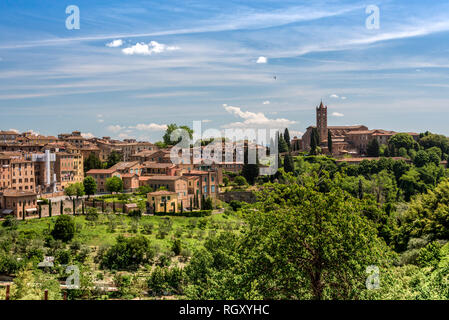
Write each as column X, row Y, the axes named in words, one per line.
column 246, row 196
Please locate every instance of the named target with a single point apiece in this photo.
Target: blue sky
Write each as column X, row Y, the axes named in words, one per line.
column 135, row 66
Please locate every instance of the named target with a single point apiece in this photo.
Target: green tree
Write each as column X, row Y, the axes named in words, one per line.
column 287, row 138
column 435, row 140
column 289, row 165
column 127, row 253
column 314, row 141
column 240, row 181
column 64, row 228
column 401, row 140
column 90, row 186
column 282, row 144
column 373, row 148
column 329, row 141
column 114, row 184
column 301, row 243
column 92, row 162
column 113, row 158
column 172, row 128
column 422, row 158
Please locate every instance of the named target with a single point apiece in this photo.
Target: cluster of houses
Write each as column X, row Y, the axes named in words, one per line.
column 34, row 166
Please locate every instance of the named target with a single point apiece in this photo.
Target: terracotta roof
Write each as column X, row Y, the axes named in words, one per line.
column 99, row 171
column 17, row 193
column 124, row 165
column 159, row 178
column 152, row 164
column 129, row 175
column 162, row 193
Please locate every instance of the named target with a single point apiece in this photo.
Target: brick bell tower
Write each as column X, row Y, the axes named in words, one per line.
column 321, row 121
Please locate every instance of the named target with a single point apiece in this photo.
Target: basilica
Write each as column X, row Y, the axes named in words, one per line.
column 350, row 140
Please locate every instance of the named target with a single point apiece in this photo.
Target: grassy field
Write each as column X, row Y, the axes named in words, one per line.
column 160, row 230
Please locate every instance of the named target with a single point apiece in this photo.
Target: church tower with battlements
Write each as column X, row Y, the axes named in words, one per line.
column 321, row 121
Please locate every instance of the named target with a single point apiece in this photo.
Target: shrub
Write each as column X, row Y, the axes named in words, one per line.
column 166, row 281
column 148, row 228
column 10, row 222
column 135, row 213
column 64, row 228
column 127, row 253
column 92, row 214
column 176, row 247
column 235, row 205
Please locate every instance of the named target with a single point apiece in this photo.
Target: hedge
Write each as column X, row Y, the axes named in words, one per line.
column 200, row 213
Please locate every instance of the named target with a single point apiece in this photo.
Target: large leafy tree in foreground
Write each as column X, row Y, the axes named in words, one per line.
column 309, row 241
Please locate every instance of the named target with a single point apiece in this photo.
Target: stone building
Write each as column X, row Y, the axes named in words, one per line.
column 352, row 140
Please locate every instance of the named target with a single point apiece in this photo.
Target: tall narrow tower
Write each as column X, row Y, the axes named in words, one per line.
column 321, row 121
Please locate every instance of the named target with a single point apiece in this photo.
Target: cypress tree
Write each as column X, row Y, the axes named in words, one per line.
column 23, row 210
column 154, row 207
column 288, row 163
column 74, row 206
column 329, row 141
column 287, row 138
column 314, row 140
column 360, row 189
column 61, row 207
column 203, row 200
column 165, row 206
column 373, row 148
column 191, row 205
column 82, row 206
column 49, row 208
column 39, row 210
column 182, row 207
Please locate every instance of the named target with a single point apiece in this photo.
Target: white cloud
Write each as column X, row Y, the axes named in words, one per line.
column 206, row 120
column 343, row 98
column 14, row 130
column 32, row 132
column 252, row 119
column 262, row 60
column 150, row 127
column 115, row 43
column 87, row 135
column 115, row 128
column 148, row 49
column 297, row 134
column 125, row 136
column 334, row 96
column 266, row 102
column 338, row 114
column 100, row 120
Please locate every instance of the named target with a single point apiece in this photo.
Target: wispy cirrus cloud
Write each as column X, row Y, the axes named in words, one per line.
column 149, row 127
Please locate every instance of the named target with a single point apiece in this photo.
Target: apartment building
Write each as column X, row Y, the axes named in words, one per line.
column 164, row 200
column 100, row 176
column 15, row 201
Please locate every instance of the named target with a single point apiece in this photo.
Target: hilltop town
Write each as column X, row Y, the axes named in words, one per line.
column 36, row 167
